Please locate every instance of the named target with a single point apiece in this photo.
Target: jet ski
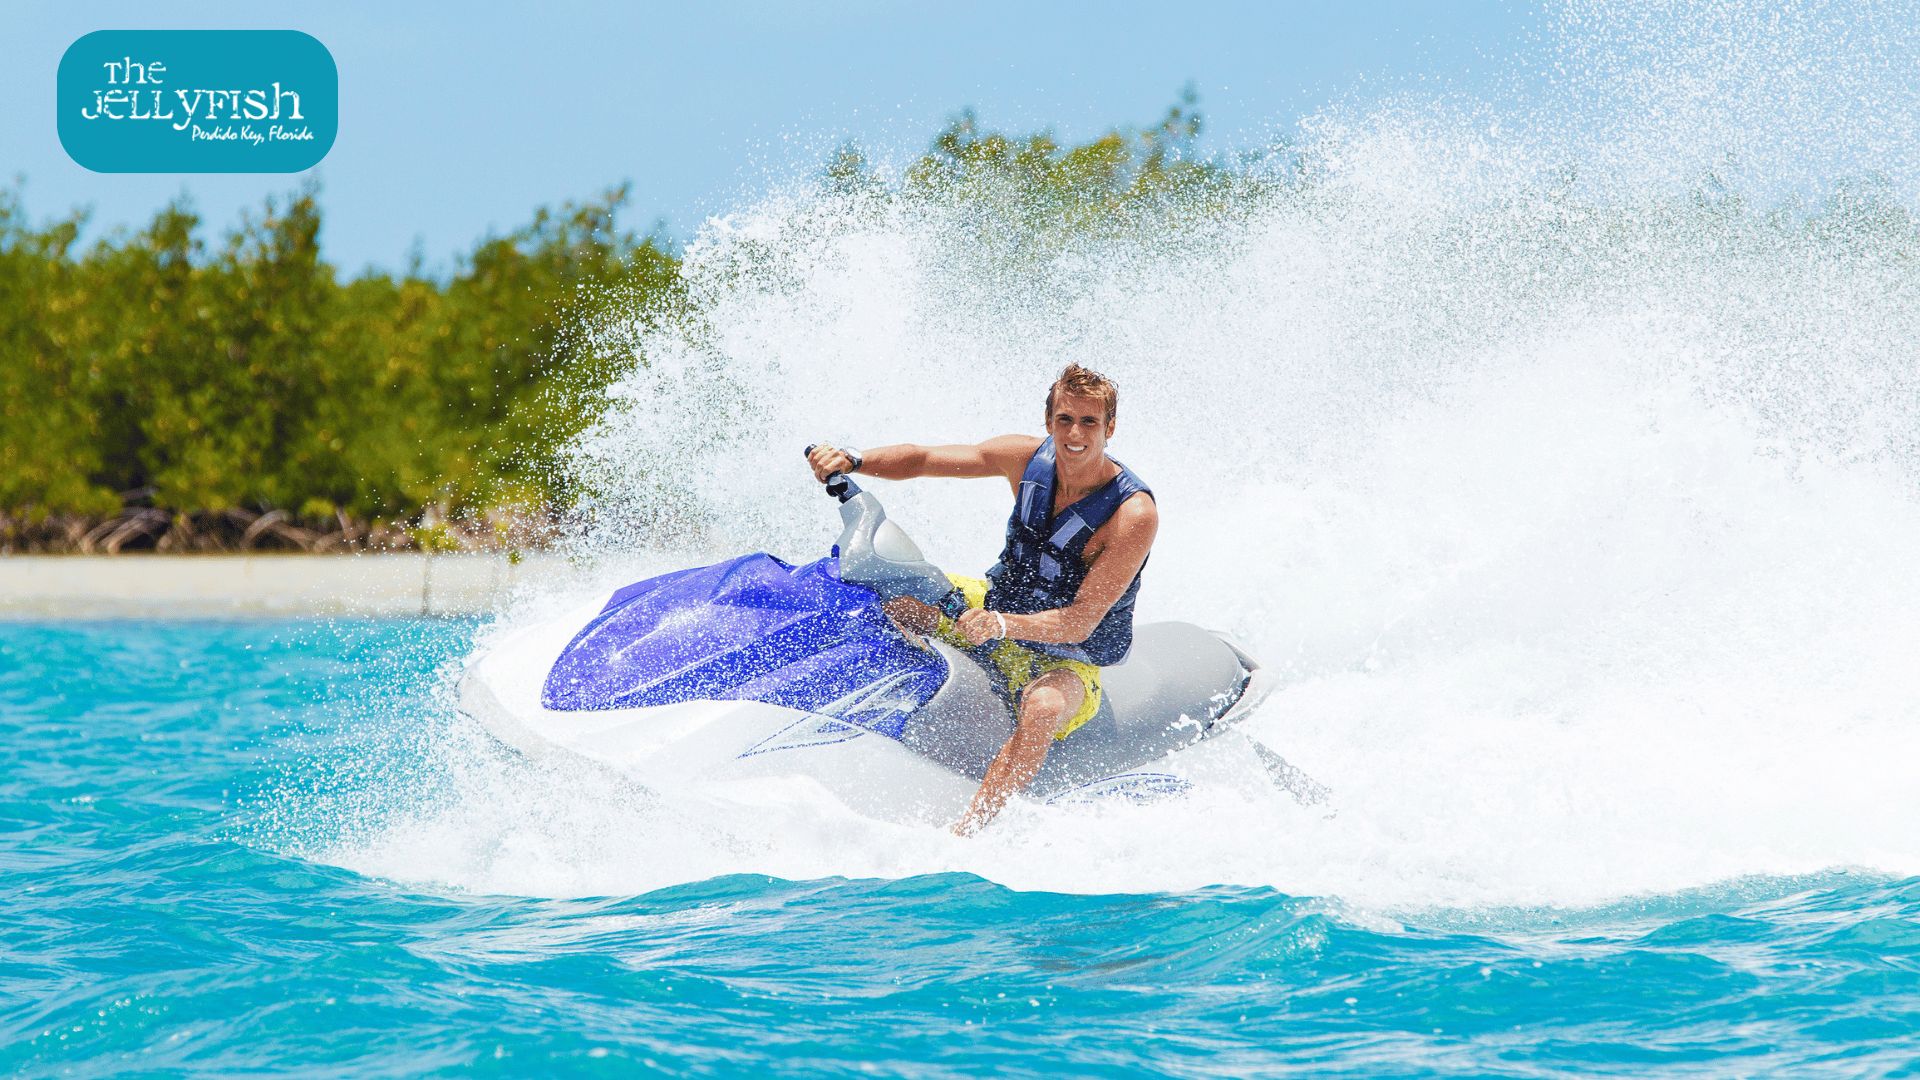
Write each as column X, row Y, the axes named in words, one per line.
column 762, row 681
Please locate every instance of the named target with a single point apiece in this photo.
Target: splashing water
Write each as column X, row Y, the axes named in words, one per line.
column 1562, row 461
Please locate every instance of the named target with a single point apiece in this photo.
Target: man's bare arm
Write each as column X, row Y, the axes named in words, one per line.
column 1004, row 456
column 1134, row 526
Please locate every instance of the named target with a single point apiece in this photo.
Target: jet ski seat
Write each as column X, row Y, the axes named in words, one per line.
column 1166, row 695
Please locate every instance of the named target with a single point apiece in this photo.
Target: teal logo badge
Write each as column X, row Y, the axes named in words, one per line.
column 204, row 101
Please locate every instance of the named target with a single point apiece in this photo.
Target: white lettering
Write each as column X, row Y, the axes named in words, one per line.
column 278, row 94
column 129, row 70
column 192, row 105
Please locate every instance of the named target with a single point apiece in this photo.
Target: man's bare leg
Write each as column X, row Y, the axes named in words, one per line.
column 1045, row 704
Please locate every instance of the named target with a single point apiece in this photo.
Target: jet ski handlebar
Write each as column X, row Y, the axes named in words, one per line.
column 839, row 485
column 875, row 553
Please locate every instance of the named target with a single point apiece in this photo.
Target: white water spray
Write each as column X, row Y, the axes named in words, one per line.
column 1573, row 490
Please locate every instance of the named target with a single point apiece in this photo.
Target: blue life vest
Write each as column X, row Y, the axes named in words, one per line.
column 1043, row 564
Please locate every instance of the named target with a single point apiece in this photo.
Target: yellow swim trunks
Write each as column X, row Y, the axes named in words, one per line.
column 1019, row 665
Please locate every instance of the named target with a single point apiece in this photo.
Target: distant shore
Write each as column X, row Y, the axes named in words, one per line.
column 292, row 585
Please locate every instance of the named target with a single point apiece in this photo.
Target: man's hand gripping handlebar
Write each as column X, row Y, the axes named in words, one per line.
column 831, row 466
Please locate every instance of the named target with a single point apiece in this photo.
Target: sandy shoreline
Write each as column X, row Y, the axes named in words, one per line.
column 183, row 586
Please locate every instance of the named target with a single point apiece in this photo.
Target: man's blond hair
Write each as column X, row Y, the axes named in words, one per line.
column 1077, row 381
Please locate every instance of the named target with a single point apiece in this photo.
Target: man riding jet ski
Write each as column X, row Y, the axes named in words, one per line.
column 872, row 677
column 1058, row 606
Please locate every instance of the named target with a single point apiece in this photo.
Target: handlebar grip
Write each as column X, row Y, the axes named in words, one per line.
column 838, row 485
column 954, row 604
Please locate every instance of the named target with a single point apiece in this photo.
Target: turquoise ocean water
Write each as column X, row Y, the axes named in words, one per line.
column 1556, row 447
column 171, row 794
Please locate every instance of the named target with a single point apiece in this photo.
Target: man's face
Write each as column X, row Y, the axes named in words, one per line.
column 1079, row 428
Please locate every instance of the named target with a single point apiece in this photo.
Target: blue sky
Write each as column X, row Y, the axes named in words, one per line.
column 459, row 119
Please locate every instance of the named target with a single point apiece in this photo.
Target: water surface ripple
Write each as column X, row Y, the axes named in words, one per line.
column 157, row 915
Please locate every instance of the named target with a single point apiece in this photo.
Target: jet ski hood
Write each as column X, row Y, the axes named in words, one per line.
column 752, row 628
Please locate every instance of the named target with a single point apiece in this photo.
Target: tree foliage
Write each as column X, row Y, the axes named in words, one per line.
column 196, row 392
column 158, row 391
